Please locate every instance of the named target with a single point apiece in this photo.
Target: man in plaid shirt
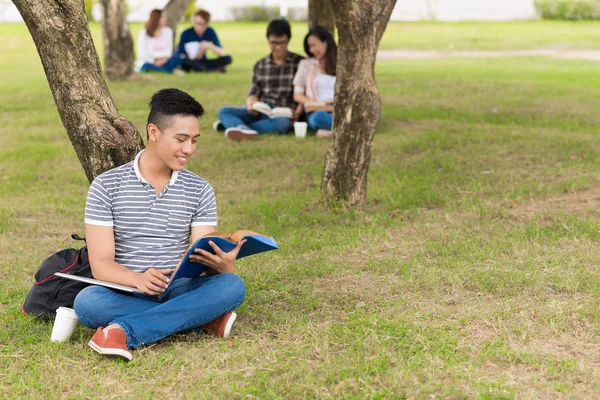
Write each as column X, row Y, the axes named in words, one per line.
column 272, row 83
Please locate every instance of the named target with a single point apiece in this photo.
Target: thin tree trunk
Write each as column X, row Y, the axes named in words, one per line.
column 320, row 12
column 118, row 44
column 357, row 102
column 102, row 138
column 174, row 12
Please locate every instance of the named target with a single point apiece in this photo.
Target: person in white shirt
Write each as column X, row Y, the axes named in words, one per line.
column 155, row 46
column 315, row 79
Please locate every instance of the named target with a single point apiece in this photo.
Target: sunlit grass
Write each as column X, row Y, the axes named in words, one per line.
column 471, row 273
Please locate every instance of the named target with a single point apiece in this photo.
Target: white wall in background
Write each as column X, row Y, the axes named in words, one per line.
column 405, row 10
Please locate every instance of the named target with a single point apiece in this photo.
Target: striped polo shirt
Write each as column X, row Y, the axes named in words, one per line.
column 150, row 230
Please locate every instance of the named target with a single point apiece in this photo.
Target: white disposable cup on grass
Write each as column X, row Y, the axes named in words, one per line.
column 300, row 129
column 64, row 324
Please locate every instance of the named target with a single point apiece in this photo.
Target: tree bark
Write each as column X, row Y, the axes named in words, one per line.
column 101, row 137
column 357, row 107
column 320, row 12
column 174, row 12
column 118, row 44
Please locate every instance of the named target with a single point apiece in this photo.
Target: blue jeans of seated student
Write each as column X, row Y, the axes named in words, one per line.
column 240, row 117
column 319, row 120
column 189, row 303
column 167, row 67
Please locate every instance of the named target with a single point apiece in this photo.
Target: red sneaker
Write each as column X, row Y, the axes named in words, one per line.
column 111, row 344
column 222, row 326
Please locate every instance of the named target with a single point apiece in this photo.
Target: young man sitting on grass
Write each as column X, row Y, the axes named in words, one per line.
column 196, row 41
column 138, row 219
column 272, row 83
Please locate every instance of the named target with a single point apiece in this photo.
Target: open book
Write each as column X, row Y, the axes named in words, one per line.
column 255, row 243
column 266, row 109
column 192, row 49
column 312, row 106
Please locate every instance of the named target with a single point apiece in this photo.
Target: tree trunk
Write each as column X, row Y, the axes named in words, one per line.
column 102, row 138
column 357, row 107
column 320, row 12
column 174, row 12
column 118, row 44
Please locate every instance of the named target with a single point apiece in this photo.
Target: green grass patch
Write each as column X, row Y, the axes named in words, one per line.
column 471, row 273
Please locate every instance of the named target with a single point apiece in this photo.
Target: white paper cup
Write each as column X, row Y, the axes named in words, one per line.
column 64, row 324
column 300, row 129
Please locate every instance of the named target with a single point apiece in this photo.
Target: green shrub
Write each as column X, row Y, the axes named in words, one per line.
column 187, row 14
column 89, row 4
column 255, row 13
column 571, row 10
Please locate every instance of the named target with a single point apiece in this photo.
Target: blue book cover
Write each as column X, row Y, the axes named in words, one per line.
column 255, row 243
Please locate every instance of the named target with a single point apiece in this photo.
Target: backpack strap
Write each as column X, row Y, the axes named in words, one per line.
column 77, row 237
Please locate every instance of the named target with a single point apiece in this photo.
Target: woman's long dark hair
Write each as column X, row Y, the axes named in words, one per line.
column 331, row 55
column 153, row 21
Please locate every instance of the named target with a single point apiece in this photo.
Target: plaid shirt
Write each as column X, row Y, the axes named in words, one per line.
column 272, row 83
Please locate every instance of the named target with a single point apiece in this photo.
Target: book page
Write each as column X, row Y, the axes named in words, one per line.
column 311, row 106
column 192, row 49
column 261, row 107
column 282, row 112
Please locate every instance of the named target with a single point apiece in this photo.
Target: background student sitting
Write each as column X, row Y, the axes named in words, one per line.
column 271, row 83
column 196, row 41
column 315, row 79
column 155, row 46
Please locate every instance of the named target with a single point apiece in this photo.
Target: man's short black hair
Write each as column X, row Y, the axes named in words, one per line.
column 279, row 27
column 166, row 103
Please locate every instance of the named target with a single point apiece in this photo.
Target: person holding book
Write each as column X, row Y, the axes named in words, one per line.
column 270, row 105
column 138, row 220
column 314, row 82
column 155, row 46
column 197, row 41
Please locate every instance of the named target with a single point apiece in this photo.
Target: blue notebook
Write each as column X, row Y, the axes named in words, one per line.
column 255, row 243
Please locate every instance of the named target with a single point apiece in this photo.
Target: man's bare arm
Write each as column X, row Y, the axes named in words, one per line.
column 101, row 249
column 202, row 230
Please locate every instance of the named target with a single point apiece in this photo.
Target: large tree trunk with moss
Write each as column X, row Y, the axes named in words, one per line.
column 118, row 44
column 102, row 138
column 320, row 12
column 357, row 107
column 174, row 11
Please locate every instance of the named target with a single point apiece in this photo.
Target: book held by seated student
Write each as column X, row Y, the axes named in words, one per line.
column 312, row 106
column 272, row 112
column 255, row 243
column 192, row 49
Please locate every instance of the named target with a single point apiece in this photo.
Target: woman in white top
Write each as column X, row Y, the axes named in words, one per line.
column 155, row 46
column 315, row 79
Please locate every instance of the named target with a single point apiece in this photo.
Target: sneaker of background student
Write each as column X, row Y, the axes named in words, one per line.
column 218, row 126
column 241, row 133
column 111, row 344
column 222, row 326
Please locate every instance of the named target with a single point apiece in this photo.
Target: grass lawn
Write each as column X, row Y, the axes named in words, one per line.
column 472, row 272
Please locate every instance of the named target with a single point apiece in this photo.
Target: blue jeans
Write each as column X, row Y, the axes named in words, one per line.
column 237, row 117
column 189, row 303
column 319, row 120
column 167, row 67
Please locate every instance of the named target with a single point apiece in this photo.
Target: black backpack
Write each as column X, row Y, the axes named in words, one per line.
column 49, row 291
